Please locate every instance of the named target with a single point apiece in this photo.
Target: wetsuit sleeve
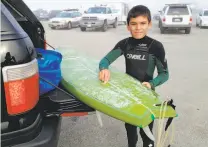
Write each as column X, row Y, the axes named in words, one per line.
column 162, row 67
column 116, row 52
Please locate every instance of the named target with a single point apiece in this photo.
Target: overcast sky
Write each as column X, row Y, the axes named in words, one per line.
column 154, row 5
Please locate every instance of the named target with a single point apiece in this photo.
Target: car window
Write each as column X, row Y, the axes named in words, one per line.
column 206, row 13
column 99, row 10
column 64, row 15
column 8, row 22
column 178, row 11
column 75, row 14
column 164, row 9
column 109, row 11
column 79, row 14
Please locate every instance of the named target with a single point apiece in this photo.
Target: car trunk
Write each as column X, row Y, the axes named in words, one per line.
column 62, row 103
column 177, row 16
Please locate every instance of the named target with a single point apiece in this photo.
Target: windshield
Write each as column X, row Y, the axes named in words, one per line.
column 64, row 15
column 115, row 10
column 178, row 11
column 205, row 13
column 100, row 10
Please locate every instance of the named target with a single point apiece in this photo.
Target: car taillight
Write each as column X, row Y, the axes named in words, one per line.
column 164, row 19
column 191, row 19
column 21, row 84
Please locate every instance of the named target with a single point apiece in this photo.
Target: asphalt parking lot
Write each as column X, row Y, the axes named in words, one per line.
column 187, row 56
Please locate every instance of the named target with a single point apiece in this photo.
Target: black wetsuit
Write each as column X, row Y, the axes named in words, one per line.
column 142, row 56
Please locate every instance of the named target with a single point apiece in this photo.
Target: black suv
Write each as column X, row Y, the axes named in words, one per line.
column 28, row 119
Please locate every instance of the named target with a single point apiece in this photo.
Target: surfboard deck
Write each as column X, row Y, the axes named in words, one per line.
column 123, row 97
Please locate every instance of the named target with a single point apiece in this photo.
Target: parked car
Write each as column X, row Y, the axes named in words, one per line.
column 156, row 16
column 41, row 14
column 53, row 13
column 98, row 17
column 66, row 19
column 28, row 119
column 177, row 17
column 202, row 18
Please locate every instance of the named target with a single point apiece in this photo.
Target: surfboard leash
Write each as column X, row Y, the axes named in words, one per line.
column 162, row 137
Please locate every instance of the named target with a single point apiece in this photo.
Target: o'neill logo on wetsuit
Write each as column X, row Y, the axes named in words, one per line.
column 135, row 57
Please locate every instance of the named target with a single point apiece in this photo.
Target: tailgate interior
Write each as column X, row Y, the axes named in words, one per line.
column 60, row 101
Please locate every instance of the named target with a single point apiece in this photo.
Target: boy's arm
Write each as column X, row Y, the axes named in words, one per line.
column 162, row 68
column 111, row 56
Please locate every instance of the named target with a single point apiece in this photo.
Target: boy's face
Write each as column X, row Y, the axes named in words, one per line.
column 139, row 26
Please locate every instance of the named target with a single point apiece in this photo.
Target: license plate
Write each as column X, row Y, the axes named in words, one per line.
column 89, row 25
column 177, row 19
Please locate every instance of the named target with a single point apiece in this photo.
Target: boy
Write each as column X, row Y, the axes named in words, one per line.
column 142, row 55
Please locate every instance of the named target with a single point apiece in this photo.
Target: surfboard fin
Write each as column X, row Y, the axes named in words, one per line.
column 148, row 133
column 99, row 118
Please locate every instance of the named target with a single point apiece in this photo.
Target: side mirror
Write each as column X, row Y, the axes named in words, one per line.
column 85, row 12
column 200, row 14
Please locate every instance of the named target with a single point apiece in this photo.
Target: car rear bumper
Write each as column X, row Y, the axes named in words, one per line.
column 48, row 136
column 58, row 25
column 44, row 132
column 204, row 24
column 177, row 26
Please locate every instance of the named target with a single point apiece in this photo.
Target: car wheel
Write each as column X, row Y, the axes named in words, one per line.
column 162, row 30
column 115, row 23
column 159, row 24
column 69, row 26
column 83, row 29
column 188, row 30
column 197, row 25
column 105, row 26
column 200, row 25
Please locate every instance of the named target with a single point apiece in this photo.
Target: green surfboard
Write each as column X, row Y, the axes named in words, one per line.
column 123, row 97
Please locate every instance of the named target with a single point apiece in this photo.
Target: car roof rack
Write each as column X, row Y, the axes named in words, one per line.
column 100, row 5
column 71, row 10
column 178, row 4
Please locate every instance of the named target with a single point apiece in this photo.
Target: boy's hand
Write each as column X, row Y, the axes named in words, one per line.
column 147, row 84
column 104, row 75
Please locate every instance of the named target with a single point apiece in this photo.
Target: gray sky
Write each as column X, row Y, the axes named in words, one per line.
column 63, row 4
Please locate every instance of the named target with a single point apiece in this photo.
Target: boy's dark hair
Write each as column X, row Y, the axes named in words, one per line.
column 139, row 10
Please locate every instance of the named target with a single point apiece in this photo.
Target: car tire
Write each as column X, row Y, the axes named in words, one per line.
column 69, row 26
column 162, row 30
column 188, row 30
column 200, row 25
column 105, row 26
column 159, row 24
column 115, row 23
column 83, row 29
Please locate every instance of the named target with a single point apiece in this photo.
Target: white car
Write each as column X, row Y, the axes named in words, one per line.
column 202, row 19
column 176, row 16
column 65, row 19
column 98, row 17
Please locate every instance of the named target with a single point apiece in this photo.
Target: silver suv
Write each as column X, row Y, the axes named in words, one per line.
column 176, row 16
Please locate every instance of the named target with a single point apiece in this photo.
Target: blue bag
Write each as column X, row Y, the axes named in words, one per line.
column 49, row 65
